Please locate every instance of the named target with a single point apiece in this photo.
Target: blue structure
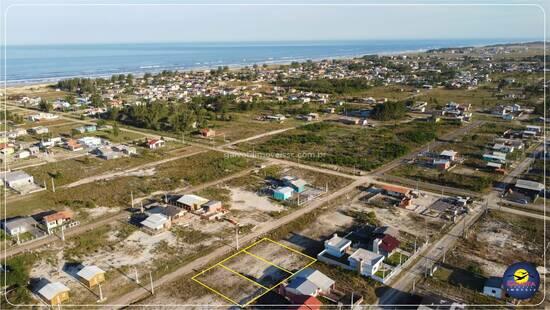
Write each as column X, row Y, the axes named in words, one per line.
column 298, row 185
column 282, row 193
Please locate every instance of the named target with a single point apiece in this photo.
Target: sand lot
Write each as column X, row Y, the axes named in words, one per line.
column 248, row 201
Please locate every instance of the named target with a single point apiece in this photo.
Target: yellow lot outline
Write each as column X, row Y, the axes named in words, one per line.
column 244, row 251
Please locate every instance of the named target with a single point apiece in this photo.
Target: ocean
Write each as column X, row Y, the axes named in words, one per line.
column 43, row 63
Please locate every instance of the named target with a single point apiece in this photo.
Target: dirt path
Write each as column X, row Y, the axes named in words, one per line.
column 196, row 264
column 115, row 174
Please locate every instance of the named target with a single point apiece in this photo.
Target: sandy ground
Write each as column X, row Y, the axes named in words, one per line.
column 100, row 211
column 326, row 224
column 248, row 201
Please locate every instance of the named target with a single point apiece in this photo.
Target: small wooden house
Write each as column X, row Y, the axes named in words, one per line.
column 91, row 275
column 54, row 293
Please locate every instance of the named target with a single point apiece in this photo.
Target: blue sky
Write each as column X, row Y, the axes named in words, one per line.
column 30, row 24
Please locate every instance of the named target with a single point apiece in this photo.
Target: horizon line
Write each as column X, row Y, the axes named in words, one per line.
column 523, row 40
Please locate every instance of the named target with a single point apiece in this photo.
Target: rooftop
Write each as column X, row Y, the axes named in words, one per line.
column 366, row 256
column 89, row 272
column 50, row 290
column 338, row 242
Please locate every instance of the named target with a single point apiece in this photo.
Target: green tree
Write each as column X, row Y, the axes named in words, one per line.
column 45, row 105
column 97, row 101
column 116, row 130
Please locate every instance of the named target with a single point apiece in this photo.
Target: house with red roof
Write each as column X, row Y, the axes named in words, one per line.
column 154, row 144
column 302, row 302
column 207, row 132
column 385, row 245
column 57, row 219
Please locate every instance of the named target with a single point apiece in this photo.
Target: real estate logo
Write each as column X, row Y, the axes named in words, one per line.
column 521, row 280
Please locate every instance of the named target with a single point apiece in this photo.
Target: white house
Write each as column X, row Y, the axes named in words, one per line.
column 365, row 262
column 336, row 245
column 156, row 222
column 17, row 179
column 448, row 154
column 191, row 202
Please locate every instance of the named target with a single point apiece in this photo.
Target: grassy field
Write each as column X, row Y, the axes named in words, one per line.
column 116, row 192
column 473, row 182
column 71, row 170
column 479, row 98
column 333, row 143
column 472, row 173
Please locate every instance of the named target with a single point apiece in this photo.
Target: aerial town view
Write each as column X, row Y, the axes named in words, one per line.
column 295, row 172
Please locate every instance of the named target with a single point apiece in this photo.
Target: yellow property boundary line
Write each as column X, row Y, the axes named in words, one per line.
column 244, row 251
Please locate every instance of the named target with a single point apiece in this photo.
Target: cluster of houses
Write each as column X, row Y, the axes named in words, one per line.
column 508, row 112
column 287, row 187
column 390, row 195
column 38, row 225
column 363, row 252
column 443, row 161
column 56, row 293
column 157, row 218
column 511, row 141
column 455, row 112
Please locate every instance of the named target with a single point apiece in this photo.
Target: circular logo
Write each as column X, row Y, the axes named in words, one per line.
column 521, row 280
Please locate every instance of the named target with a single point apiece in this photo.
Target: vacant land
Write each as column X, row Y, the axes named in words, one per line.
column 169, row 176
column 493, row 244
column 471, row 173
column 68, row 171
column 333, row 143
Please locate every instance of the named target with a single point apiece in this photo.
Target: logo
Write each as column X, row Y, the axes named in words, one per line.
column 521, row 280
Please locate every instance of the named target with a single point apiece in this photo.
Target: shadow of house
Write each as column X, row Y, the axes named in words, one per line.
column 273, row 300
column 405, row 300
column 311, row 246
column 467, row 279
column 72, row 268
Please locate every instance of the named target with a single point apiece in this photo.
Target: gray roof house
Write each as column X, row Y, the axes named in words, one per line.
column 310, row 282
column 18, row 225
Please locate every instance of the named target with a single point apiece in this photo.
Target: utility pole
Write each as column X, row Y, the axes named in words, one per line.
column 152, row 287
column 101, row 298
column 136, row 275
column 426, row 228
column 45, row 185
column 132, row 198
column 326, row 187
column 53, row 186
column 237, row 236
column 63, row 232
